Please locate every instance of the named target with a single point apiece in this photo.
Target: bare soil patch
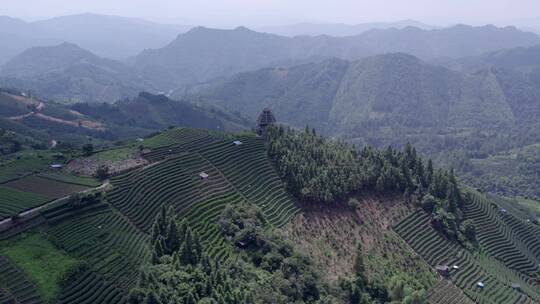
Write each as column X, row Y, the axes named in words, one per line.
column 87, row 166
column 330, row 233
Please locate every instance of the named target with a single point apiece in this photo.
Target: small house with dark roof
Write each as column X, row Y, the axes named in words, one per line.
column 442, row 270
column 266, row 118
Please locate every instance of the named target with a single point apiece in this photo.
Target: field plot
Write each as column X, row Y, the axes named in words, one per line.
column 13, row 201
column 41, row 261
column 44, row 186
column 436, row 250
column 23, row 164
column 504, row 237
column 107, row 242
column 447, row 293
column 14, row 286
column 71, row 179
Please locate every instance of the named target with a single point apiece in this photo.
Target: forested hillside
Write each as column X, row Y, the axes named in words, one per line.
column 393, row 99
column 26, row 121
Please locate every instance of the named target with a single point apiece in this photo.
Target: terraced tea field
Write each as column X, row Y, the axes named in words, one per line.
column 445, row 292
column 236, row 173
column 471, row 268
column 112, row 237
column 13, row 201
column 15, row 286
column 504, row 237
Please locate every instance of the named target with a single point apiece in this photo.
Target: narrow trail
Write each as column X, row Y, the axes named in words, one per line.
column 28, row 212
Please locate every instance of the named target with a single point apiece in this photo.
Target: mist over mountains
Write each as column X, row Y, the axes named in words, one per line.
column 163, row 59
column 107, row 36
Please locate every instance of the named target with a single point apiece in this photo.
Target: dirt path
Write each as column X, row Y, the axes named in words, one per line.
column 29, row 212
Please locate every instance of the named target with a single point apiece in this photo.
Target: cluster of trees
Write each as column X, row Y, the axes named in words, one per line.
column 321, row 170
column 180, row 272
column 266, row 257
column 267, row 270
column 80, row 200
column 363, row 291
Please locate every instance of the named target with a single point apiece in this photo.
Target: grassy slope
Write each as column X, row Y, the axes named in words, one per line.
column 330, row 236
column 42, row 262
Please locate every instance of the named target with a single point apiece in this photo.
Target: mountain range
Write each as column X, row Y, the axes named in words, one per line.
column 107, row 36
column 67, row 73
column 202, row 54
column 337, row 29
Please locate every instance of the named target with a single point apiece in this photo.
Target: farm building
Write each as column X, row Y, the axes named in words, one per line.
column 455, row 267
column 442, row 270
column 266, row 118
column 56, row 166
column 203, row 176
column 480, row 284
column 237, row 143
column 516, row 286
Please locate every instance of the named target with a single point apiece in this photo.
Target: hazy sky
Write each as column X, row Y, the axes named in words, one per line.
column 267, row 12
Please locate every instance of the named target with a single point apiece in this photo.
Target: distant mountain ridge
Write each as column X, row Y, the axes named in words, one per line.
column 338, row 29
column 107, row 36
column 68, row 73
column 203, row 53
column 72, row 74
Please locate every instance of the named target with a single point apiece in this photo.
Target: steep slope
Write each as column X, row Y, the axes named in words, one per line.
column 202, row 53
column 69, row 73
column 339, row 97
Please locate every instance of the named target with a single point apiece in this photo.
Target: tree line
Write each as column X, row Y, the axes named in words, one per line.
column 321, row 170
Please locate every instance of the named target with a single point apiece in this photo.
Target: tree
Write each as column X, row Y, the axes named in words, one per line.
column 469, row 230
column 102, row 173
column 428, row 203
column 88, row 149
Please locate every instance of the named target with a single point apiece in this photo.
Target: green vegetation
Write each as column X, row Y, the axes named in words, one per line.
column 70, row 179
column 15, row 287
column 45, row 187
column 13, row 201
column 41, row 261
column 481, row 265
column 321, row 170
column 23, row 163
column 511, row 173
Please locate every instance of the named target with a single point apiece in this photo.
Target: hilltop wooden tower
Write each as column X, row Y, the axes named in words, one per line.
column 266, row 118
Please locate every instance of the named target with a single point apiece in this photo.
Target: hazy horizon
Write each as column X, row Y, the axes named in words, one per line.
column 268, row 13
